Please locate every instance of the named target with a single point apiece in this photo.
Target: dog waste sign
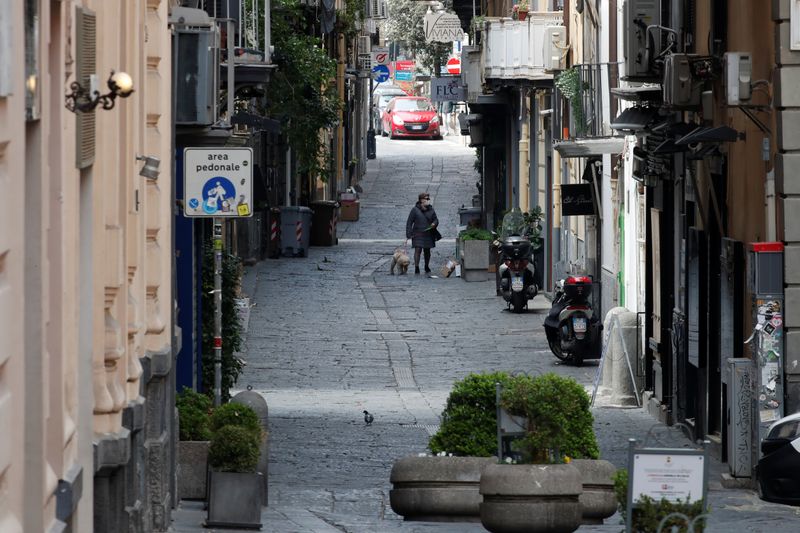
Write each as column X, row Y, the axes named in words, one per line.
column 218, row 182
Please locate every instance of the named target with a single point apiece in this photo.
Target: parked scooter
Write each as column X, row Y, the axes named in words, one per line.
column 517, row 266
column 573, row 330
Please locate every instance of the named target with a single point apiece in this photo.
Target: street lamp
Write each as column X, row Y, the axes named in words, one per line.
column 150, row 168
column 84, row 100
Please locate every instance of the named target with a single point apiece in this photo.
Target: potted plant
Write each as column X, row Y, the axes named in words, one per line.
column 521, row 10
column 474, row 245
column 445, row 486
column 234, row 484
column 542, row 493
column 194, row 439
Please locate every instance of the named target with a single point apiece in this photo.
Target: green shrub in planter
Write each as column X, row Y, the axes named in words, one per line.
column 235, row 414
column 193, row 414
column 476, row 234
column 469, row 420
column 558, row 417
column 648, row 513
column 234, row 449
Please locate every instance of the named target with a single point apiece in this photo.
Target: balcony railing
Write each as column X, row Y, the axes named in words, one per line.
column 588, row 108
column 515, row 49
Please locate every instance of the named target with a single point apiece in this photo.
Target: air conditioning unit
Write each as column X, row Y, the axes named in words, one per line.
column 680, row 89
column 738, row 75
column 638, row 16
column 555, row 41
column 196, row 64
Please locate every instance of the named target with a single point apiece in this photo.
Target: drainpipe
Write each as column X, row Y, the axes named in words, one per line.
column 267, row 33
column 341, row 61
column 523, row 166
column 556, row 207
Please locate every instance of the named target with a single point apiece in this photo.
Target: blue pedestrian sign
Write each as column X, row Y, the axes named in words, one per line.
column 218, row 182
column 380, row 73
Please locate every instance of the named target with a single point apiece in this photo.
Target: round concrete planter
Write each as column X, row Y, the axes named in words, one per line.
column 437, row 489
column 598, row 500
column 531, row 498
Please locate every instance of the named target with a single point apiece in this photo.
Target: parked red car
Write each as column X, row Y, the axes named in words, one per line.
column 411, row 116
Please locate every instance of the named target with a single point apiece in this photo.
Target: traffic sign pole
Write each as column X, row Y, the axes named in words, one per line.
column 217, row 311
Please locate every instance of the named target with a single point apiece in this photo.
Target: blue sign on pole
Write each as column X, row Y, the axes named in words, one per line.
column 403, row 75
column 380, row 73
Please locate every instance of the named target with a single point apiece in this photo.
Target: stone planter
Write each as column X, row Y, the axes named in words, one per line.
column 235, row 500
column 598, row 500
column 475, row 260
column 438, row 489
column 192, row 466
column 531, row 498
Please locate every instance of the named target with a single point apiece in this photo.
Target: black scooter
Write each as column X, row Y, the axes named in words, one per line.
column 517, row 266
column 573, row 330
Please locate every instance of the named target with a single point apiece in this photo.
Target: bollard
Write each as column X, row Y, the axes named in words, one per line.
column 258, row 404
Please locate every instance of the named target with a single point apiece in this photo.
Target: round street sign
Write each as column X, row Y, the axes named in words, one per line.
column 454, row 65
column 380, row 73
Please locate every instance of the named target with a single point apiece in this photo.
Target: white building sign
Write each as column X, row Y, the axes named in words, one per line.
column 218, row 182
column 442, row 27
column 671, row 476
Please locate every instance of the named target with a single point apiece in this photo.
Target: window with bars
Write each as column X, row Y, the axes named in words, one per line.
column 85, row 69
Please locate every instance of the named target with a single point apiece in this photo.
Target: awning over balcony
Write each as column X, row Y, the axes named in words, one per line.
column 639, row 93
column 634, row 119
column 596, row 146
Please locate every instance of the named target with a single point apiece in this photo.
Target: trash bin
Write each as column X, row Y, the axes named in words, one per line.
column 272, row 233
column 295, row 230
column 323, row 223
column 469, row 214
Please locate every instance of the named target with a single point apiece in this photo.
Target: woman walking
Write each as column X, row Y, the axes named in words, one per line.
column 421, row 229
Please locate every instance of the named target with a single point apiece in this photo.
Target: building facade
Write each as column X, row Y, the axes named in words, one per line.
column 86, row 278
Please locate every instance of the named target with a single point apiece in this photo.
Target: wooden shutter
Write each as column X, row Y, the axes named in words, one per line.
column 86, row 65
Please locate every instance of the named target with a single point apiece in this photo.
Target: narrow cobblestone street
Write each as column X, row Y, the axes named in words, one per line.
column 334, row 334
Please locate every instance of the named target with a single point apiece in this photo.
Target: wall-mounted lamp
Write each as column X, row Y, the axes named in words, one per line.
column 84, row 100
column 150, row 168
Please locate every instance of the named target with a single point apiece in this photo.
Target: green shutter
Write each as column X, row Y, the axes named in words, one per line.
column 86, row 65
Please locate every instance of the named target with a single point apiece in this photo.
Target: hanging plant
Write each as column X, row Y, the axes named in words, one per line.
column 569, row 83
column 302, row 92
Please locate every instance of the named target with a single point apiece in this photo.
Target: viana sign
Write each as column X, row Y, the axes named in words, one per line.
column 442, row 27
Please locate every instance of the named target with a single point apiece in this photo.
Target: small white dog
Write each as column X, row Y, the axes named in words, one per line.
column 400, row 260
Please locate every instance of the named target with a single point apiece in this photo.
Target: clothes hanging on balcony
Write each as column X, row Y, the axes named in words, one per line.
column 328, row 16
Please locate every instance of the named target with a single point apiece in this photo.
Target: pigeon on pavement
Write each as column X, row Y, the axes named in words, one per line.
column 368, row 418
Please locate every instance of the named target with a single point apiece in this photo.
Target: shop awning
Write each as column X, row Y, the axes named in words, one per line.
column 596, row 146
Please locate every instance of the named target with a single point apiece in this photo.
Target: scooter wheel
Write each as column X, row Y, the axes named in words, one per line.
column 518, row 302
column 555, row 347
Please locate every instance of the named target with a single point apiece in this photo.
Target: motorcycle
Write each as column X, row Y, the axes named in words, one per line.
column 572, row 329
column 517, row 266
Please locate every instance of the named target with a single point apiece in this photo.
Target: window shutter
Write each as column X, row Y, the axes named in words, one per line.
column 86, row 66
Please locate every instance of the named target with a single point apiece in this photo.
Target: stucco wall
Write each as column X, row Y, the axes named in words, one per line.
column 85, row 276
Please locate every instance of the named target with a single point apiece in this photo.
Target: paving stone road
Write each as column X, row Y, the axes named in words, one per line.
column 334, row 334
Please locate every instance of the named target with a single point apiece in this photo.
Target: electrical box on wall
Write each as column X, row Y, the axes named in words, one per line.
column 680, row 89
column 640, row 45
column 555, row 41
column 738, row 76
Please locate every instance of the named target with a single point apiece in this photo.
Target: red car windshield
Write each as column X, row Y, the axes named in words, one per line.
column 412, row 105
